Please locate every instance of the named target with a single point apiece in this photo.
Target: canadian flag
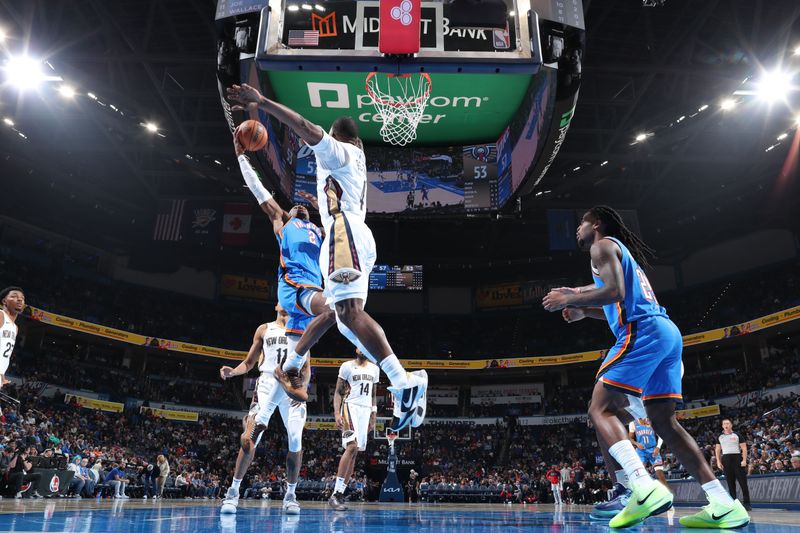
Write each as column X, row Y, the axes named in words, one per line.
column 400, row 29
column 236, row 224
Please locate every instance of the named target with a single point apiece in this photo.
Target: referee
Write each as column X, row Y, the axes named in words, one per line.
column 732, row 460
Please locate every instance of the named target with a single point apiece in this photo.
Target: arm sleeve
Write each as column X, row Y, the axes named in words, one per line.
column 261, row 194
column 331, row 153
column 659, row 443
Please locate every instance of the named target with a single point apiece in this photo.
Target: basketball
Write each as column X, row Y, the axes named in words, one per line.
column 252, row 135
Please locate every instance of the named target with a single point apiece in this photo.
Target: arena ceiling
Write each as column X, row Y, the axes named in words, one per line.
column 645, row 67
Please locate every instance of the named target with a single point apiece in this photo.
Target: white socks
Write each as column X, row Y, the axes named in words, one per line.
column 622, row 478
column 235, row 484
column 293, row 359
column 339, row 485
column 715, row 489
column 290, row 489
column 625, row 455
column 395, row 372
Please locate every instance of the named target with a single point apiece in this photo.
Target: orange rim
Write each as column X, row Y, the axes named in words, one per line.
column 417, row 100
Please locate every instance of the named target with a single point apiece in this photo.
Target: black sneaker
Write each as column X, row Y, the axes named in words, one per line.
column 336, row 501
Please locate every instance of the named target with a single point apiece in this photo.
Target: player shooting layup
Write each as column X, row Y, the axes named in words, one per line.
column 268, row 349
column 348, row 252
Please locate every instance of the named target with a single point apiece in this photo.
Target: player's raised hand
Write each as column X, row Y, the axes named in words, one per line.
column 226, row 372
column 573, row 314
column 310, row 198
column 246, row 97
column 237, row 146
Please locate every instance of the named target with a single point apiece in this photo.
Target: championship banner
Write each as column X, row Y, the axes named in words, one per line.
column 245, row 288
column 502, row 295
column 698, row 412
column 183, row 416
column 91, row 403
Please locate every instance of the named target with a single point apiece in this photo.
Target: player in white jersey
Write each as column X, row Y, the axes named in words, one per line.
column 355, row 409
column 348, row 252
column 268, row 350
column 13, row 303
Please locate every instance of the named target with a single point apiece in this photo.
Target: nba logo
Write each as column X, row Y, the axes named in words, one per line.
column 54, row 484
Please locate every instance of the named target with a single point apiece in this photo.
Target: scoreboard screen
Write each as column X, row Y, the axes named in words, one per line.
column 396, row 278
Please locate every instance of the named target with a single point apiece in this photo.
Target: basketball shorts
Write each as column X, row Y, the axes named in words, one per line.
column 347, row 252
column 356, row 424
column 296, row 302
column 647, row 458
column 269, row 395
column 646, row 361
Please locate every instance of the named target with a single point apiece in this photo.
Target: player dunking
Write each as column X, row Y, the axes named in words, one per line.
column 355, row 417
column 646, row 362
column 299, row 276
column 268, row 349
column 348, row 252
column 12, row 300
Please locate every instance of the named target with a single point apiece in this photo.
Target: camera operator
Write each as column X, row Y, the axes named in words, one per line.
column 19, row 473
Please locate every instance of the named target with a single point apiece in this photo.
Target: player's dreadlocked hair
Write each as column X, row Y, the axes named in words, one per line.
column 614, row 226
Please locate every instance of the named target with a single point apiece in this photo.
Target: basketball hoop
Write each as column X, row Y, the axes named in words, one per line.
column 400, row 100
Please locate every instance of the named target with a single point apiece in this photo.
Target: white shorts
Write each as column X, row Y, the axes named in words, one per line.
column 348, row 248
column 356, row 424
column 268, row 396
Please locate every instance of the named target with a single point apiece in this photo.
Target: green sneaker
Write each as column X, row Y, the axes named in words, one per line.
column 644, row 502
column 718, row 515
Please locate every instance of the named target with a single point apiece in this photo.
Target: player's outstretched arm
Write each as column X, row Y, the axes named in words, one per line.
column 249, row 99
column 249, row 362
column 268, row 205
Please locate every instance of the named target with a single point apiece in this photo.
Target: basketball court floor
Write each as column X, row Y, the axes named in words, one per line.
column 136, row 516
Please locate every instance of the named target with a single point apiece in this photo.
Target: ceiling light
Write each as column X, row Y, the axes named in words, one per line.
column 774, row 85
column 797, row 50
column 319, row 7
column 8, row 121
column 92, row 96
column 2, row 35
column 307, row 7
column 24, row 72
column 727, row 104
column 641, row 137
column 576, row 169
column 293, row 8
column 702, row 108
column 66, row 91
column 604, row 163
column 782, row 136
column 512, row 14
column 151, row 127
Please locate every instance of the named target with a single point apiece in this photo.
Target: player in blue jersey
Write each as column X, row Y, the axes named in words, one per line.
column 648, row 446
column 299, row 275
column 645, row 362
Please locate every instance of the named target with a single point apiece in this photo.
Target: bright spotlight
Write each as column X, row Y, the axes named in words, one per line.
column 797, row 50
column 727, row 104
column 151, row 127
column 307, row 7
column 66, row 91
column 293, row 8
column 774, row 86
column 2, row 35
column 8, row 122
column 24, row 72
column 782, row 136
column 319, row 7
column 641, row 137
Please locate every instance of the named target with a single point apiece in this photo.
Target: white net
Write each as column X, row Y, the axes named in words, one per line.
column 400, row 99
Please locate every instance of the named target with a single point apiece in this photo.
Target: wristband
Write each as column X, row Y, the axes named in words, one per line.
column 374, row 408
column 251, row 179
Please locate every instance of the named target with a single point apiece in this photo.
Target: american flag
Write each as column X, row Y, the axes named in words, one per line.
column 303, row 38
column 168, row 220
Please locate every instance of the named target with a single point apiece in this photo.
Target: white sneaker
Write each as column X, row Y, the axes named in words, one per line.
column 290, row 505
column 411, row 402
column 119, row 497
column 231, row 501
column 144, row 497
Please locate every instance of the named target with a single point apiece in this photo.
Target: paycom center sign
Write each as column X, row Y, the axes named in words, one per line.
column 462, row 109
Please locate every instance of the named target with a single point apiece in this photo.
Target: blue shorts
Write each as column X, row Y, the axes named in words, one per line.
column 646, row 361
column 647, row 457
column 290, row 298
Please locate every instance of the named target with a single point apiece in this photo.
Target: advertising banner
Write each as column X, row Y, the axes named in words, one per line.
column 184, row 416
column 245, row 288
column 497, row 296
column 91, row 403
